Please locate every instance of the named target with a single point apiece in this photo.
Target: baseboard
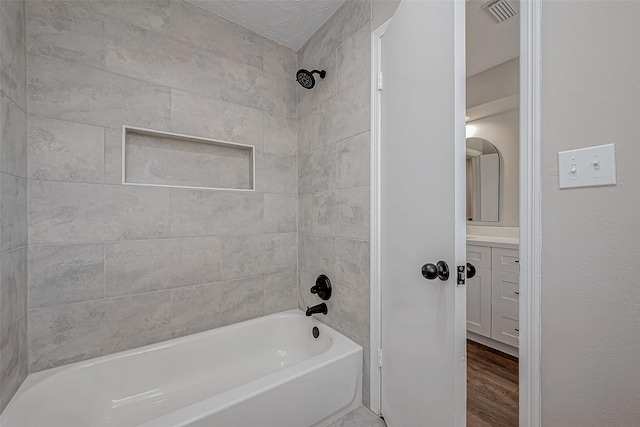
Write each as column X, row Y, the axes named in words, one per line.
column 512, row 351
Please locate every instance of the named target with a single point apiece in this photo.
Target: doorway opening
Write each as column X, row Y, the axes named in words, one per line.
column 492, row 213
column 528, row 248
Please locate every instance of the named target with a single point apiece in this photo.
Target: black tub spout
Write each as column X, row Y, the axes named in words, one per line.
column 317, row 309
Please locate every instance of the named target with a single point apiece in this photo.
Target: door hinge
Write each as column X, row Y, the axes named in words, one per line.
column 379, row 80
column 379, row 358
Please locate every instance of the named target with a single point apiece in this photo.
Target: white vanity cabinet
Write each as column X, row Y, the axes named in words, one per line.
column 493, row 294
column 479, row 291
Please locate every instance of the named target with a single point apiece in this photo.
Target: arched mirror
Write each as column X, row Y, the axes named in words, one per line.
column 483, row 180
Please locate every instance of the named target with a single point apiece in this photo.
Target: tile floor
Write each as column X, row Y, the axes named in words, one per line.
column 361, row 417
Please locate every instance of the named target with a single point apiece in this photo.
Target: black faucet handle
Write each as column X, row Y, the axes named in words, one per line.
column 322, row 287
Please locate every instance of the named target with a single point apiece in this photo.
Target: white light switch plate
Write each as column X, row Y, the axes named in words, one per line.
column 587, row 167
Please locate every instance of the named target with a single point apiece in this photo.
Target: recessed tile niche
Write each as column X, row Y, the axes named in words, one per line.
column 165, row 159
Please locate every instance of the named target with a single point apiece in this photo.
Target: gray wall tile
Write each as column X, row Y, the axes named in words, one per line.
column 366, row 383
column 211, row 118
column 243, row 84
column 350, row 214
column 73, row 92
column 317, row 171
column 280, row 292
column 354, row 59
column 309, row 133
column 162, row 160
column 68, row 333
column 13, row 63
column 113, row 156
column 317, row 255
column 13, row 212
column 66, row 30
column 343, row 213
column 318, row 216
column 13, row 285
column 352, row 161
column 244, row 256
column 71, row 212
column 279, row 60
column 236, row 169
column 277, row 173
column 306, row 214
column 60, row 274
column 280, row 213
column 349, row 314
column 213, row 213
column 352, row 264
column 13, row 363
column 13, row 198
column 148, row 14
column 65, row 151
column 13, row 138
column 197, row 308
column 280, row 96
column 161, row 59
column 21, row 273
column 205, row 30
column 280, row 135
column 305, row 297
column 347, row 114
column 147, row 265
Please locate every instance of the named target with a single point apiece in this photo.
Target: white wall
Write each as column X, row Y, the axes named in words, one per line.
column 591, row 248
column 498, row 82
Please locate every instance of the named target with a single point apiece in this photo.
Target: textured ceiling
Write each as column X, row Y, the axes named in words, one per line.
column 488, row 43
column 288, row 22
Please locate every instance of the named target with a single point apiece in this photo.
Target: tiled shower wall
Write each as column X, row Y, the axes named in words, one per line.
column 114, row 267
column 13, row 199
column 334, row 145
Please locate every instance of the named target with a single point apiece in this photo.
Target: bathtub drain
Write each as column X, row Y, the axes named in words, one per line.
column 316, row 332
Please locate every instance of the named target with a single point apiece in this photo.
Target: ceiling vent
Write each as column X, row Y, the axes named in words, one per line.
column 501, row 10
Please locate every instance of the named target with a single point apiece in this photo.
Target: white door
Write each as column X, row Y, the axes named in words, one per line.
column 422, row 215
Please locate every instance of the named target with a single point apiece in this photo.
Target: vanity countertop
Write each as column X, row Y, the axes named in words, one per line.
column 497, row 242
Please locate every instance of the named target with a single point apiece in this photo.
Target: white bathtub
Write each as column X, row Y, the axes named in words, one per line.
column 264, row 372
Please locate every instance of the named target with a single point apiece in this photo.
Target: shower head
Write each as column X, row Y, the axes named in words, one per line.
column 306, row 79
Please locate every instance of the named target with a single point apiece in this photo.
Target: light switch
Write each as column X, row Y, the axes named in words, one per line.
column 587, row 167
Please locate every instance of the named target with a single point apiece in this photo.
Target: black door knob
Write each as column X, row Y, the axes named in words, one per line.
column 471, row 270
column 429, row 271
column 440, row 270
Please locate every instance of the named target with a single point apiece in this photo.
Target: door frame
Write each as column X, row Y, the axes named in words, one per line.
column 530, row 215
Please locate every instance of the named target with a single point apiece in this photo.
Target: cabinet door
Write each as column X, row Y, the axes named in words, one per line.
column 505, row 326
column 479, row 256
column 479, row 302
column 505, row 290
column 505, row 260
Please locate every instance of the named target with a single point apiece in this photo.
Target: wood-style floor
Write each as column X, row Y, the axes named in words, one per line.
column 492, row 387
